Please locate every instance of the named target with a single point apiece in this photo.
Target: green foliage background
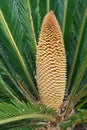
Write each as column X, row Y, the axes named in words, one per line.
column 20, row 24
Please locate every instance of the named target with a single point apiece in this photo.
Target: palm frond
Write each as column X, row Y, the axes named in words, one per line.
column 69, row 10
column 75, row 119
column 82, row 67
column 15, row 111
column 19, row 61
column 81, row 104
column 76, row 20
column 79, row 40
column 15, row 49
column 22, row 125
column 8, row 88
column 79, row 95
column 36, row 16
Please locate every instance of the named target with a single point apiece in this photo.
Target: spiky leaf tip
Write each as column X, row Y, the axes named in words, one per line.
column 51, row 63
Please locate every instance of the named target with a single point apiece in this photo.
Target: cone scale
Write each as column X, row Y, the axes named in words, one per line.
column 51, row 63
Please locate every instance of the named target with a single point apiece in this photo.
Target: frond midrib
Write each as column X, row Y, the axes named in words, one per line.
column 26, row 116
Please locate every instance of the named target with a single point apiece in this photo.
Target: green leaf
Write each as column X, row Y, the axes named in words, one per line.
column 15, row 48
column 81, row 104
column 21, row 59
column 77, row 18
column 15, row 111
column 69, row 10
column 79, row 95
column 83, row 26
column 75, row 119
column 8, row 89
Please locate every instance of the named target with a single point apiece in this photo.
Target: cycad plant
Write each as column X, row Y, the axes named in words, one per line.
column 43, row 76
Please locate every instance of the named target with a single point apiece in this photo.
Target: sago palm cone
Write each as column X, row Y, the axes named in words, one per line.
column 51, row 63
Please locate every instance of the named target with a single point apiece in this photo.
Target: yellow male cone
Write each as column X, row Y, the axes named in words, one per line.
column 51, row 63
